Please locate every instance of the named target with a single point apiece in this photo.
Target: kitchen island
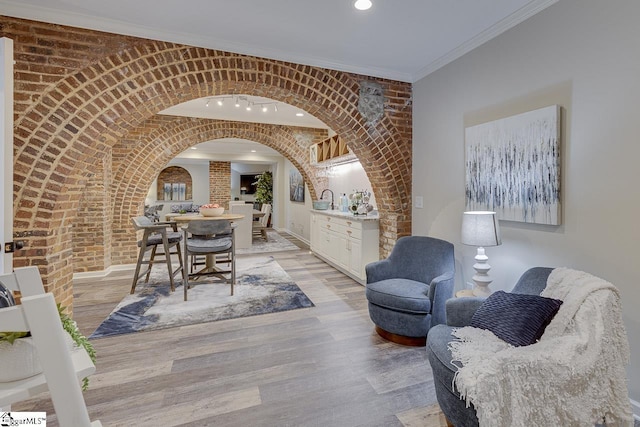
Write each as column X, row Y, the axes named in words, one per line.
column 348, row 242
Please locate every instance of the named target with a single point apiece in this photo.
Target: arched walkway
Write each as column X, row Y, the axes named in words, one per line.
column 70, row 126
column 134, row 173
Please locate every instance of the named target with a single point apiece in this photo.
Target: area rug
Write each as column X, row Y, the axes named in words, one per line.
column 262, row 286
column 274, row 243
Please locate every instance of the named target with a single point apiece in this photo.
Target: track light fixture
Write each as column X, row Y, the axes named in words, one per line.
column 239, row 100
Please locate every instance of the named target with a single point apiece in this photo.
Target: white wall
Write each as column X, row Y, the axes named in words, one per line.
column 582, row 55
column 347, row 178
column 297, row 215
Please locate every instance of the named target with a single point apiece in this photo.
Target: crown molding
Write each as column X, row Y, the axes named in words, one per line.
column 510, row 21
column 46, row 14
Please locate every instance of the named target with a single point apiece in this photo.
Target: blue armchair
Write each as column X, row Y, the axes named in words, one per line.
column 459, row 312
column 407, row 291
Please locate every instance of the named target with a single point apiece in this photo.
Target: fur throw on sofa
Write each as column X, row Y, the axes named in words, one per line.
column 573, row 376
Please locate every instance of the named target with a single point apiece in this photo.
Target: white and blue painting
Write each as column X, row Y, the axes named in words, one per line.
column 512, row 167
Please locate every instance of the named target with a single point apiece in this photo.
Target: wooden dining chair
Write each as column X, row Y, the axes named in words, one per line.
column 260, row 226
column 216, row 240
column 163, row 234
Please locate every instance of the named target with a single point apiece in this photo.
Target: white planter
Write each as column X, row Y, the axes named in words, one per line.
column 18, row 360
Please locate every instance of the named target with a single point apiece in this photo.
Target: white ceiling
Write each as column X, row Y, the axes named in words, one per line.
column 263, row 110
column 276, row 113
column 397, row 39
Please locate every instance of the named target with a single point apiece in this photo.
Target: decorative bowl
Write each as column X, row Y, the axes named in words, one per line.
column 321, row 205
column 211, row 211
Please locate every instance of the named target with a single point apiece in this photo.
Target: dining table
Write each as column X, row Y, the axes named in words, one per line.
column 199, row 217
column 178, row 217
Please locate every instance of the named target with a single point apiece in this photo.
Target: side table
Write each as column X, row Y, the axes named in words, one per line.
column 465, row 293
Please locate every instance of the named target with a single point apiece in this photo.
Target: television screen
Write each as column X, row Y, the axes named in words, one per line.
column 247, row 185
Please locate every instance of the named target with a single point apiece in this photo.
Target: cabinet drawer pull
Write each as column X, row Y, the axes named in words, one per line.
column 328, row 225
column 349, row 223
column 349, row 232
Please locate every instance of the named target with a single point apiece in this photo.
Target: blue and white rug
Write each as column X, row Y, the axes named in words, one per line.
column 262, row 286
column 274, row 243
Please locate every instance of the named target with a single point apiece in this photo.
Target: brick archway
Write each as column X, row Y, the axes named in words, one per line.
column 169, row 136
column 65, row 128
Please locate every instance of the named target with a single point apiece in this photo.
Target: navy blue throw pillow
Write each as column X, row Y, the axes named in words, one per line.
column 518, row 319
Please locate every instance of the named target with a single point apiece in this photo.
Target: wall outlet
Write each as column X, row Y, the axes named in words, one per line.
column 419, row 204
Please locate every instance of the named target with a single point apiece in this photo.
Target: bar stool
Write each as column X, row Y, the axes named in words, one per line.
column 156, row 234
column 216, row 240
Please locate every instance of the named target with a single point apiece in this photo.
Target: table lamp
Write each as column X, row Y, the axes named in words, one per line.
column 481, row 228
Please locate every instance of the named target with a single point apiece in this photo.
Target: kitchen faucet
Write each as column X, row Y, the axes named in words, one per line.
column 322, row 196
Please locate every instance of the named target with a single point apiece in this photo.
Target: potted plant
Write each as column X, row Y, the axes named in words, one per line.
column 264, row 188
column 18, row 350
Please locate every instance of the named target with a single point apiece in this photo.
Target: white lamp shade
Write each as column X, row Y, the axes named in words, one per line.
column 480, row 228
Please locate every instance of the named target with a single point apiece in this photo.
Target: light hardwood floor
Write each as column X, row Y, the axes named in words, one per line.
column 321, row 366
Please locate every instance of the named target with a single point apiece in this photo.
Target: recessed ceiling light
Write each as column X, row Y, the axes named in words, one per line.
column 264, row 108
column 220, row 102
column 362, row 4
column 194, row 148
column 253, row 151
column 299, row 114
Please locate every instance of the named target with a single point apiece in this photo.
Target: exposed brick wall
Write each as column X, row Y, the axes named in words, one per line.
column 219, row 182
column 92, row 228
column 173, row 175
column 79, row 92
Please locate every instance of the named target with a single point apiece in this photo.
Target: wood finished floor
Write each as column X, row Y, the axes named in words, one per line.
column 321, row 366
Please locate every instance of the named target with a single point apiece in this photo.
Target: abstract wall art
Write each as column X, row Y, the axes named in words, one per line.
column 512, row 167
column 296, row 186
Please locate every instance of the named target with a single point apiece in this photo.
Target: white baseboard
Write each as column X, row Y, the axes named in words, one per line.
column 103, row 273
column 635, row 407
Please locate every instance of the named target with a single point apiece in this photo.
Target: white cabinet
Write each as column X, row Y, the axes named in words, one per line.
column 344, row 241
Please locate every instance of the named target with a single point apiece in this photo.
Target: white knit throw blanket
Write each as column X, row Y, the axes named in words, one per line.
column 573, row 376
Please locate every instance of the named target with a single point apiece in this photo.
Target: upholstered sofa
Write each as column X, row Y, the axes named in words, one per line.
column 187, row 207
column 407, row 291
column 566, row 373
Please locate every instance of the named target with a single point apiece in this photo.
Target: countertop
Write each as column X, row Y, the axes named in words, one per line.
column 369, row 217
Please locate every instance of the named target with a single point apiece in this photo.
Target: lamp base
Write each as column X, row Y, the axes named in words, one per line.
column 481, row 278
column 481, row 290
